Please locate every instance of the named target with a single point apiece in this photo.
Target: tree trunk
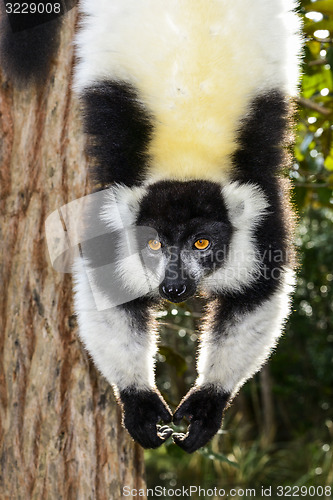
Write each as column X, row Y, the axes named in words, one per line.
column 60, row 427
column 269, row 425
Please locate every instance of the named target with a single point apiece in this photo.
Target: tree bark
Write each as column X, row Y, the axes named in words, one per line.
column 269, row 425
column 60, row 428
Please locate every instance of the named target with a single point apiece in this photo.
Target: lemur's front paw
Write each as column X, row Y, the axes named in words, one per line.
column 203, row 407
column 142, row 410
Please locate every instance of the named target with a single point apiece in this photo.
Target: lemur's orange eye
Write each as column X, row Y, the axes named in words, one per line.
column 201, row 244
column 154, row 244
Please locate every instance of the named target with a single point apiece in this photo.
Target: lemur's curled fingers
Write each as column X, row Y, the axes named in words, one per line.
column 203, row 408
column 142, row 412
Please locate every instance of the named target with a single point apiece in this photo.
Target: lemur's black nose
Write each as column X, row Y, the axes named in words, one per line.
column 174, row 293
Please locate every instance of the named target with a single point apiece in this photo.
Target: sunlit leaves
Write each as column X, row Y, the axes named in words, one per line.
column 314, row 145
column 323, row 6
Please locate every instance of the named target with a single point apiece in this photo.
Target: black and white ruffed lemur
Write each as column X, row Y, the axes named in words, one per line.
column 186, row 106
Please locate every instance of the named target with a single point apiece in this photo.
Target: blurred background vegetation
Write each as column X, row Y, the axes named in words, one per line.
column 279, row 429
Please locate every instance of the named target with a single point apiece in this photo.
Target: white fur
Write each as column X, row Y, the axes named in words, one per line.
column 121, row 206
column 229, row 358
column 127, row 40
column 192, row 265
column 123, row 354
column 247, row 206
column 119, row 213
column 196, row 66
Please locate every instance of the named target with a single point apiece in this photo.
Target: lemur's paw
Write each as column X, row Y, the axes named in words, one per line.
column 142, row 410
column 203, row 407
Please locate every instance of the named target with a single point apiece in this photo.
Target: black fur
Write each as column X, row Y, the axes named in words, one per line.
column 140, row 312
column 181, row 213
column 258, row 159
column 29, row 43
column 119, row 129
column 260, row 155
column 173, row 207
column 204, row 408
column 142, row 410
column 276, row 252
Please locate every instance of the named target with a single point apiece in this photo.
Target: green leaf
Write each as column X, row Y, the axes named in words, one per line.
column 329, row 161
column 298, row 154
column 325, row 24
column 323, row 6
column 329, row 57
column 313, row 84
column 216, row 456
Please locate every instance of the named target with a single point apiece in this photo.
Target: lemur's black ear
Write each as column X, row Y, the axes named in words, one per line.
column 29, row 40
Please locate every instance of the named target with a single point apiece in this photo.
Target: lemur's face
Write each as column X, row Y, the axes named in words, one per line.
column 190, row 235
column 167, row 239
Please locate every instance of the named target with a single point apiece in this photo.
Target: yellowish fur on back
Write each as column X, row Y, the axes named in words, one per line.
column 196, row 64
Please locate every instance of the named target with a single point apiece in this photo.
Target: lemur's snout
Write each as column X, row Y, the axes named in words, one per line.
column 174, row 293
column 177, row 285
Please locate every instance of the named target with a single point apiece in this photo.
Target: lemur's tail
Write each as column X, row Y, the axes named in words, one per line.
column 29, row 39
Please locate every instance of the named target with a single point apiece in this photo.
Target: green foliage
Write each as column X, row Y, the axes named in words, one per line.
column 302, row 366
column 300, row 451
column 313, row 166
